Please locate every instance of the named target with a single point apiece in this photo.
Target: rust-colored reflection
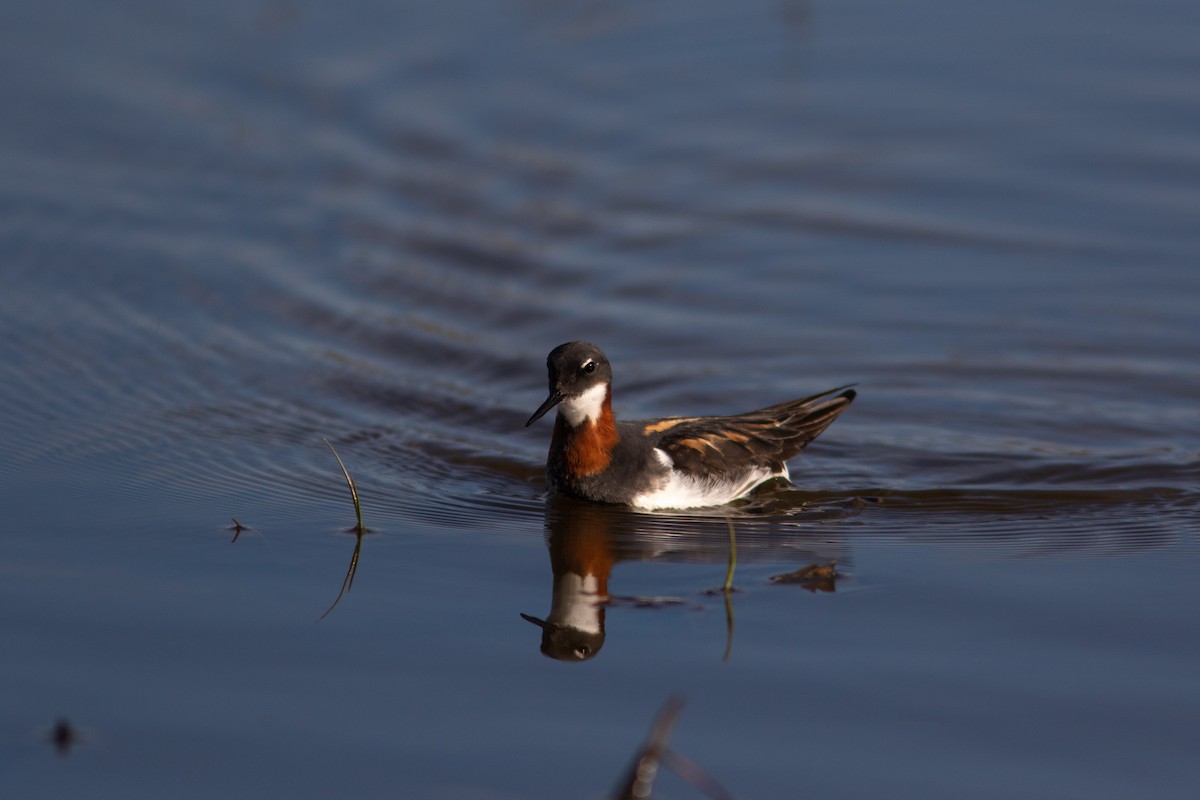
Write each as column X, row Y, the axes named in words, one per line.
column 583, row 550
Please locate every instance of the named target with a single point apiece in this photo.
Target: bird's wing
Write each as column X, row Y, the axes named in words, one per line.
column 715, row 446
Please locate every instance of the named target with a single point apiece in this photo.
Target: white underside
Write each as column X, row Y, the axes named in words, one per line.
column 680, row 490
column 584, row 407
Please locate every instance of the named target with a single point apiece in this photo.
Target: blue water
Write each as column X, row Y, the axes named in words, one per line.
column 231, row 231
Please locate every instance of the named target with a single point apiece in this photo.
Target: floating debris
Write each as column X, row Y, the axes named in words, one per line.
column 644, row 601
column 814, row 577
column 64, row 736
column 237, row 529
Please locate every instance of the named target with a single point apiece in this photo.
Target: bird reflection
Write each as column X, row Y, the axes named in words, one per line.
column 587, row 540
column 582, row 553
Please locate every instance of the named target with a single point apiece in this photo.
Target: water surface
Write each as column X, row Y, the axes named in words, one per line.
column 231, row 231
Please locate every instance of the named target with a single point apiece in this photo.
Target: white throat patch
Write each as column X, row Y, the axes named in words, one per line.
column 586, row 406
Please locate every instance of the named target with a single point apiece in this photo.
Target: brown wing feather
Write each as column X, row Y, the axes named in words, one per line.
column 767, row 437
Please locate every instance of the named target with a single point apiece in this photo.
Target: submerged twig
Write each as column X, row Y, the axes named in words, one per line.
column 728, row 587
column 349, row 482
column 359, row 529
column 728, row 627
column 348, row 581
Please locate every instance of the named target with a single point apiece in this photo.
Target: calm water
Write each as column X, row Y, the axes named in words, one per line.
column 229, row 231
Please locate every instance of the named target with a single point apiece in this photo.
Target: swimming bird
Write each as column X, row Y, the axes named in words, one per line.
column 674, row 462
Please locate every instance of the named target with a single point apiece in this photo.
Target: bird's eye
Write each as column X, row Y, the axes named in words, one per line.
column 589, row 367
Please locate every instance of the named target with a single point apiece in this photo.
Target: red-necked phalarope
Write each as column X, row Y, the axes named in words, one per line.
column 675, row 462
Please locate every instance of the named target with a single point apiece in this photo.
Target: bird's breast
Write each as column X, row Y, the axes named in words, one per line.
column 583, row 450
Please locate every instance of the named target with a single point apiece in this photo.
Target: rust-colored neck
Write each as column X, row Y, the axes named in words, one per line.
column 587, row 449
